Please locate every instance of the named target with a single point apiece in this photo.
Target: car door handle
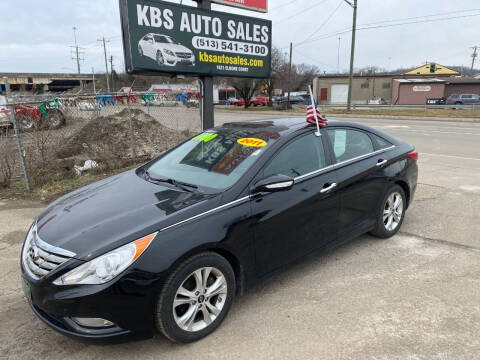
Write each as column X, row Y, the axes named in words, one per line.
column 328, row 189
column 381, row 162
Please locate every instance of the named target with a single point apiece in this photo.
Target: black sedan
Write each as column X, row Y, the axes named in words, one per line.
column 167, row 246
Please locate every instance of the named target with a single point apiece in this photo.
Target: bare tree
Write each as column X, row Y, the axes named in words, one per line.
column 279, row 69
column 246, row 88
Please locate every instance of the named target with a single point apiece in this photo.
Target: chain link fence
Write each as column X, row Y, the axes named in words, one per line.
column 59, row 136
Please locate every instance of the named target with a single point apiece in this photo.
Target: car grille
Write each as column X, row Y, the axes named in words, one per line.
column 40, row 258
column 183, row 55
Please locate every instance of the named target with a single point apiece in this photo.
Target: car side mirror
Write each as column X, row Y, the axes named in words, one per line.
column 273, row 183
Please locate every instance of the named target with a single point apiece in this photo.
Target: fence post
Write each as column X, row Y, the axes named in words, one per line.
column 17, row 134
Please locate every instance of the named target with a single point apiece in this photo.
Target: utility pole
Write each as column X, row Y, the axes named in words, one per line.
column 352, row 52
column 290, row 73
column 106, row 61
column 207, row 113
column 474, row 57
column 338, row 55
column 77, row 53
column 111, row 72
column 93, row 79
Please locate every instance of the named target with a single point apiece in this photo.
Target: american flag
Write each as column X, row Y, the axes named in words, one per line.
column 322, row 120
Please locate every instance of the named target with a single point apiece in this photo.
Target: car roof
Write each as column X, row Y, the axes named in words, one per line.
column 287, row 126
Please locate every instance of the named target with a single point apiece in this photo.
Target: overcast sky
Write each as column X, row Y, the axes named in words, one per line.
column 37, row 34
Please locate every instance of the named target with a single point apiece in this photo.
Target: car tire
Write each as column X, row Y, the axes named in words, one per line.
column 159, row 58
column 182, row 310
column 140, row 50
column 390, row 216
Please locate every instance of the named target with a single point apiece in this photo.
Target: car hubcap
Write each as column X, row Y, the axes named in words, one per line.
column 200, row 299
column 393, row 211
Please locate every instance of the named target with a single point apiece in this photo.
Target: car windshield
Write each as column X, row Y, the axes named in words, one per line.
column 215, row 159
column 164, row 39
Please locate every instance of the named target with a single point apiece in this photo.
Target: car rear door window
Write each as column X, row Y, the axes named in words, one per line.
column 300, row 157
column 381, row 142
column 349, row 144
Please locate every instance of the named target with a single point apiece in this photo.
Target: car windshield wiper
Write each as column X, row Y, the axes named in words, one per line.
column 183, row 185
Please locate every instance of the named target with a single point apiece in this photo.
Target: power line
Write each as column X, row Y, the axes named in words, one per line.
column 419, row 17
column 281, row 6
column 301, row 12
column 340, row 32
column 325, row 22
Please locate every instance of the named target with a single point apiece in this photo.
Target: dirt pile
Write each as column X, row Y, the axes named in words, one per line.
column 121, row 138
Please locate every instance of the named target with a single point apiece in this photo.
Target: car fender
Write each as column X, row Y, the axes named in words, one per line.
column 228, row 230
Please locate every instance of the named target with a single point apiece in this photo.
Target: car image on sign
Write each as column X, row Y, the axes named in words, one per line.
column 165, row 50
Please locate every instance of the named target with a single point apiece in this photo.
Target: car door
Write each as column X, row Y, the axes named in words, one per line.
column 291, row 224
column 361, row 182
column 149, row 47
column 467, row 99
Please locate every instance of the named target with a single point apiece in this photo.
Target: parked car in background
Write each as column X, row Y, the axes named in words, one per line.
column 230, row 100
column 376, row 101
column 238, row 102
column 296, row 99
column 463, row 99
column 259, row 101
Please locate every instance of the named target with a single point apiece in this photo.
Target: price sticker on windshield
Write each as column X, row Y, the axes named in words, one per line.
column 252, row 142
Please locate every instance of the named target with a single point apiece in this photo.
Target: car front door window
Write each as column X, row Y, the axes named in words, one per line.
column 298, row 158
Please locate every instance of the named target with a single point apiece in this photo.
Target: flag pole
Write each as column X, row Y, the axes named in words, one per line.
column 314, row 111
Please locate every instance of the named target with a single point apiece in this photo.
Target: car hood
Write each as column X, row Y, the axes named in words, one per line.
column 110, row 213
column 174, row 47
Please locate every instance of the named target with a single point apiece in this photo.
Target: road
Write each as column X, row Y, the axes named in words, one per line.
column 414, row 296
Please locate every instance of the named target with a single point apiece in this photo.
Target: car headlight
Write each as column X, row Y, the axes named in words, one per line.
column 169, row 52
column 28, row 241
column 108, row 266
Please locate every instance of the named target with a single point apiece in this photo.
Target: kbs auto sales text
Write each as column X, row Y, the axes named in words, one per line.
column 202, row 24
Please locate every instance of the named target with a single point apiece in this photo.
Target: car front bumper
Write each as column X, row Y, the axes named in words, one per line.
column 127, row 303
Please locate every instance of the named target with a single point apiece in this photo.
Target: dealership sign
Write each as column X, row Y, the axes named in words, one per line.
column 255, row 5
column 163, row 37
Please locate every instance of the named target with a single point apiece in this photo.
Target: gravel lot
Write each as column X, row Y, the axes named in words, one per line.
column 415, row 296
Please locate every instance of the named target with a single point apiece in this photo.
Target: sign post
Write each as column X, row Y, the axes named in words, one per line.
column 206, row 88
column 163, row 37
column 254, row 5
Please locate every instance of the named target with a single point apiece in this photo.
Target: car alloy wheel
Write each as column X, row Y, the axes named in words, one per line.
column 195, row 298
column 200, row 299
column 390, row 213
column 393, row 211
column 160, row 59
